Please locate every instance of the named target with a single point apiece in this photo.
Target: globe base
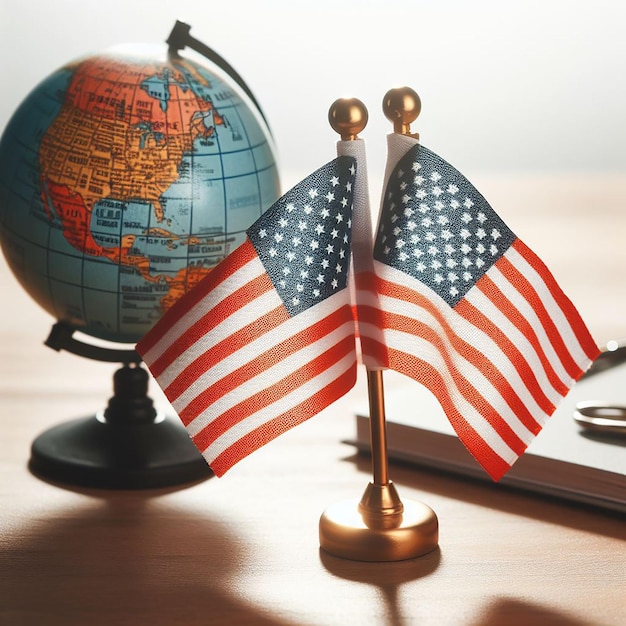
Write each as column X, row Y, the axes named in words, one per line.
column 129, row 445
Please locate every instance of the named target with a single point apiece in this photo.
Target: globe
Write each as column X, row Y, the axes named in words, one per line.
column 124, row 179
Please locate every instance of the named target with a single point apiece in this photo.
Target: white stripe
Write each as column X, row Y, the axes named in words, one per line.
column 518, row 300
column 240, row 318
column 481, row 302
column 424, row 350
column 286, row 403
column 554, row 310
column 475, row 337
column 265, row 379
column 250, row 270
column 250, row 351
column 410, row 344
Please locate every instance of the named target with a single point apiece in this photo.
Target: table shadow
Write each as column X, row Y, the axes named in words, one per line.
column 123, row 560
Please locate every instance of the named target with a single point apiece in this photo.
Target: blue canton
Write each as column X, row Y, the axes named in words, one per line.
column 303, row 239
column 436, row 226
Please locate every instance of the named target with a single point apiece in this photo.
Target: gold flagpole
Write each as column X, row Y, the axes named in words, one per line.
column 379, row 527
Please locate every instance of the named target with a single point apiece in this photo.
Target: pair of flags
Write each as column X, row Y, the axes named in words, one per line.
column 445, row 293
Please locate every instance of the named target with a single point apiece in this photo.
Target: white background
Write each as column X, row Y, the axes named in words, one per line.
column 505, row 86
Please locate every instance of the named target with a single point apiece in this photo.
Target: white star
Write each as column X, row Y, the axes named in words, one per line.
column 452, row 277
column 290, row 207
column 406, row 198
column 309, row 261
column 319, row 229
column 307, row 208
column 273, row 252
column 339, row 218
column 451, row 263
column 316, row 293
column 481, row 217
column 286, row 271
column 435, row 176
column 313, row 193
column 320, row 278
column 296, row 241
column 299, row 288
column 452, row 189
column 329, row 249
column 348, row 186
column 262, row 233
column 278, row 237
column 468, row 203
column 416, row 166
column 467, row 277
column 330, row 196
column 338, row 268
column 436, row 191
column 334, row 283
column 283, row 222
column 480, row 233
column 352, row 170
column 418, row 180
column 466, row 218
column 334, row 181
column 446, row 235
column 325, row 263
column 454, row 291
column 433, row 250
column 344, row 202
column 334, row 233
column 290, row 256
column 295, row 301
column 420, row 267
column 302, row 225
column 495, row 234
column 314, row 245
column 304, row 273
column 324, row 213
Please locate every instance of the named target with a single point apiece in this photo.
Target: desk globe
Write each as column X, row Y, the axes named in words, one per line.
column 125, row 177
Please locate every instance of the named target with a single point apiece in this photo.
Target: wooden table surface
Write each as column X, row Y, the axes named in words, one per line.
column 244, row 549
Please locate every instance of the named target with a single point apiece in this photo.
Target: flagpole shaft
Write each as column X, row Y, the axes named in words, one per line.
column 378, row 429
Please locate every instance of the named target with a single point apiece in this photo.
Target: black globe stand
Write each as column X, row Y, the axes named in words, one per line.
column 129, row 445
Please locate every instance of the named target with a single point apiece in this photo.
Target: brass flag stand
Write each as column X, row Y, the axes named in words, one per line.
column 379, row 527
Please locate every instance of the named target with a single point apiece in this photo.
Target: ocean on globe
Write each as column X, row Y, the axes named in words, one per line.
column 123, row 181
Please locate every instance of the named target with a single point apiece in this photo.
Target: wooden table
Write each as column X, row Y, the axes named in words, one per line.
column 244, row 549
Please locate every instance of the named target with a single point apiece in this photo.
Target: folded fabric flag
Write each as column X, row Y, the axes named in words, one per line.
column 267, row 339
column 458, row 302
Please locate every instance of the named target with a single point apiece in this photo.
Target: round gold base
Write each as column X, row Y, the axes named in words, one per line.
column 343, row 533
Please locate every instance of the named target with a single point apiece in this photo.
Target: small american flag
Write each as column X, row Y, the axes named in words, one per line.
column 460, row 304
column 266, row 340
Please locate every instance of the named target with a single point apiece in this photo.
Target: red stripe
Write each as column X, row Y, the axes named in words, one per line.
column 282, row 423
column 242, row 255
column 213, row 318
column 215, row 353
column 471, row 394
column 569, row 310
column 272, row 393
column 264, row 361
column 529, row 293
column 493, row 464
column 467, row 310
column 491, row 291
column 491, row 371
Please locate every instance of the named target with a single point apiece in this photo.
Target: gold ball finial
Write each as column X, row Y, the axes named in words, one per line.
column 402, row 106
column 348, row 117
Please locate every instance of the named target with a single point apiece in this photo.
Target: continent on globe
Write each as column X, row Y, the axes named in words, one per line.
column 122, row 184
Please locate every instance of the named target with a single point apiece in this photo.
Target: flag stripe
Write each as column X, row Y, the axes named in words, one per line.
column 563, row 312
column 546, row 318
column 187, row 308
column 229, row 382
column 261, row 398
column 474, row 430
column 487, row 398
column 518, row 310
column 225, row 307
column 525, row 362
column 269, row 343
column 222, row 460
column 416, row 301
column 220, row 350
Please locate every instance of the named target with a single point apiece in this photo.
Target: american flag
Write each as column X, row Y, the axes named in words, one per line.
column 467, row 309
column 266, row 340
